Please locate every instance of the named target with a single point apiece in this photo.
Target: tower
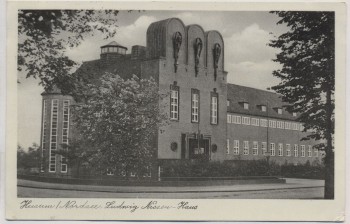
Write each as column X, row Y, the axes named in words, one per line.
column 55, row 131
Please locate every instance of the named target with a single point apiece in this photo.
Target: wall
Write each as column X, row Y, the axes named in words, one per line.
column 49, row 98
column 186, row 79
column 252, row 133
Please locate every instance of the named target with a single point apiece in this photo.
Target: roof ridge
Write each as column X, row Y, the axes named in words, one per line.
column 254, row 88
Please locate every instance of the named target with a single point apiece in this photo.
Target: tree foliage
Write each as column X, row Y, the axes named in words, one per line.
column 44, row 36
column 28, row 159
column 120, row 120
column 307, row 76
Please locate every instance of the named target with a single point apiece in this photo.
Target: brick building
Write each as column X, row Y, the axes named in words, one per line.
column 228, row 122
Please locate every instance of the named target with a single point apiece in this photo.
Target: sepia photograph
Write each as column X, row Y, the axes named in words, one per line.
column 174, row 104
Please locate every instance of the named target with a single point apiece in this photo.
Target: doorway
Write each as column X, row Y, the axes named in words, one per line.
column 201, row 152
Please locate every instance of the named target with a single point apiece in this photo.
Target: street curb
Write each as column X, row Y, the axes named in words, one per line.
column 184, row 191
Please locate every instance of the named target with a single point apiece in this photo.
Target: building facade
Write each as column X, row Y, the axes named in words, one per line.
column 209, row 118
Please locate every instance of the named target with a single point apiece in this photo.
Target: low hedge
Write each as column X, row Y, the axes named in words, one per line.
column 187, row 168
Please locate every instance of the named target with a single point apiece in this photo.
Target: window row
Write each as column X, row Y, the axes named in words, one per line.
column 53, row 139
column 255, row 147
column 195, row 105
column 236, row 119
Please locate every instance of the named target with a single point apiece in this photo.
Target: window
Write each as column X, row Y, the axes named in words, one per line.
column 263, row 122
column 295, row 126
column 288, row 150
column 263, row 148
column 63, row 164
column 280, row 124
column 263, row 108
column 303, row 151
column 280, row 149
column 255, row 148
column 44, row 134
column 228, row 146
column 245, row 148
column 98, row 114
column 287, row 125
column 229, row 118
column 295, row 150
column 236, row 147
column 195, row 106
column 65, row 133
column 309, row 151
column 255, row 121
column 65, row 127
column 174, row 102
column 246, row 106
column 272, row 149
column 272, row 124
column 302, row 127
column 214, row 108
column 53, row 135
column 316, row 152
column 246, row 120
column 279, row 110
column 228, row 103
column 236, row 119
column 294, row 114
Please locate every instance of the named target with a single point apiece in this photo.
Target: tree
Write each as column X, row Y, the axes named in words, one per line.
column 77, row 153
column 120, row 119
column 28, row 160
column 307, row 77
column 44, row 35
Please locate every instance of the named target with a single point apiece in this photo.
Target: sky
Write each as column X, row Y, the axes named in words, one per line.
column 248, row 58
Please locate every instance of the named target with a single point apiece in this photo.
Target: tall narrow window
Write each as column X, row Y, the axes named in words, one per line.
column 296, row 150
column 263, row 148
column 53, row 135
column 236, row 147
column 229, row 118
column 303, row 151
column 228, row 146
column 195, row 106
column 280, row 149
column 44, row 134
column 288, row 149
column 245, row 148
column 255, row 148
column 65, row 132
column 272, row 149
column 174, row 102
column 309, row 151
column 214, row 108
column 316, row 152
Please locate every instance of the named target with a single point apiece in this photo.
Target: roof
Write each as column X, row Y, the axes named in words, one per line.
column 237, row 94
column 124, row 67
column 114, row 44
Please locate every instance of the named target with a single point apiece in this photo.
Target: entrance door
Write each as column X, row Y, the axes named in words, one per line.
column 201, row 152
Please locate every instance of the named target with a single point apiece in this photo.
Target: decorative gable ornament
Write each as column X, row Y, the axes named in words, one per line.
column 177, row 41
column 198, row 46
column 216, row 56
